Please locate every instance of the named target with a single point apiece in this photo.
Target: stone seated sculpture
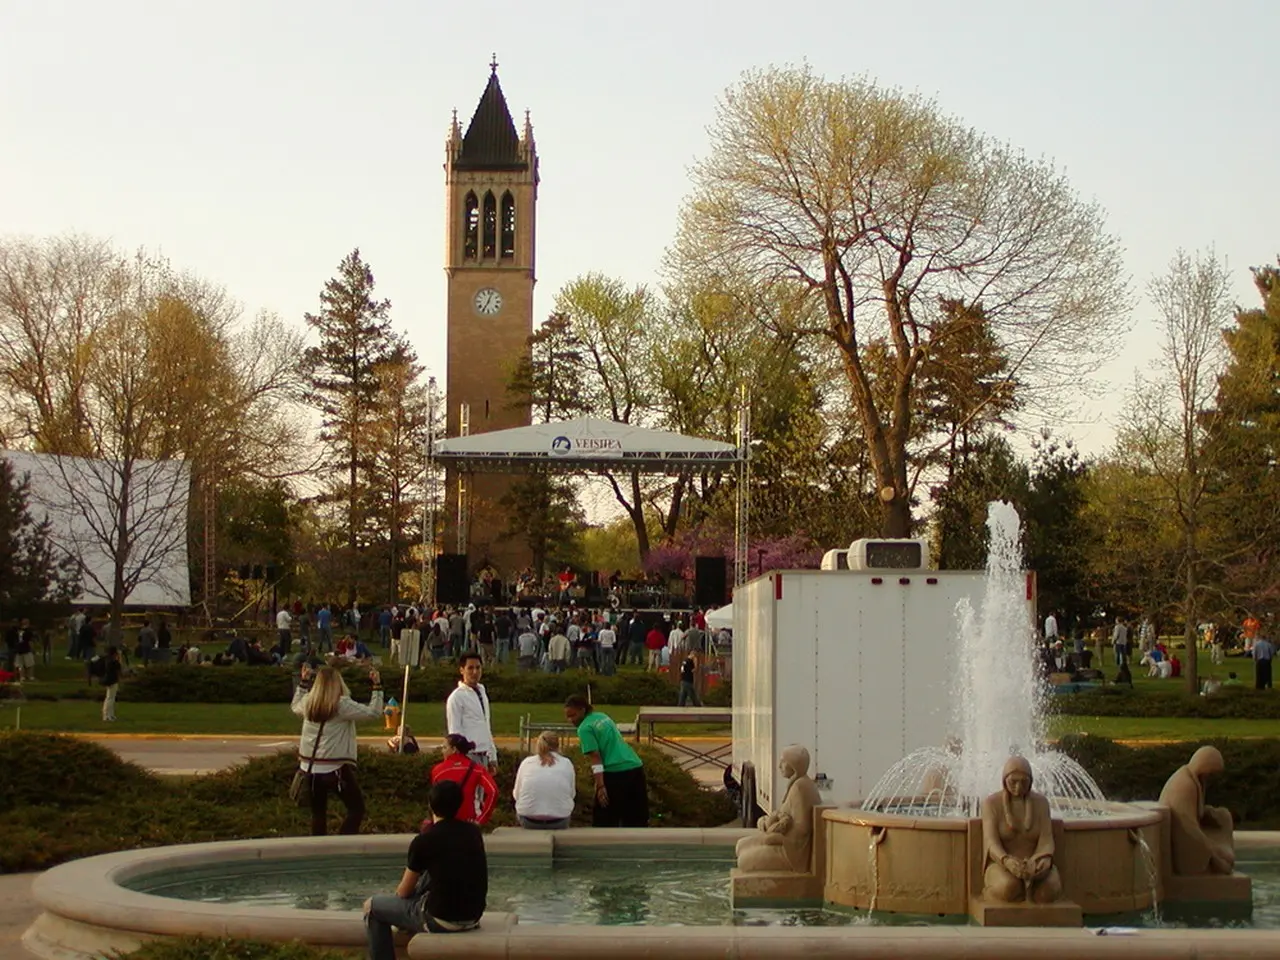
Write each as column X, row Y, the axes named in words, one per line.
column 1201, row 836
column 784, row 843
column 1017, row 837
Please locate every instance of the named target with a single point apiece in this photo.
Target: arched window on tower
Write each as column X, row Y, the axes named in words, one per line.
column 490, row 227
column 471, row 226
column 508, row 226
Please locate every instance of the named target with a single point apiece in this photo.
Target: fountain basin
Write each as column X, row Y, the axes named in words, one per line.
column 1110, row 863
column 89, row 915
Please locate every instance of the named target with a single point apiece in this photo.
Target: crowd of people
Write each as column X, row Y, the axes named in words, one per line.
column 1140, row 645
column 545, row 787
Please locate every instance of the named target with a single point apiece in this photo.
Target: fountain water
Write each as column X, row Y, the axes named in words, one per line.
column 999, row 700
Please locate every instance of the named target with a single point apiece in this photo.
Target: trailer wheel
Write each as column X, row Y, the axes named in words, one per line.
column 749, row 811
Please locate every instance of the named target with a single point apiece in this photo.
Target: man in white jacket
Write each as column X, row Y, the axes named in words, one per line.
column 467, row 710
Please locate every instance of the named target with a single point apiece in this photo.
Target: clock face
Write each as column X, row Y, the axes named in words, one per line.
column 488, row 301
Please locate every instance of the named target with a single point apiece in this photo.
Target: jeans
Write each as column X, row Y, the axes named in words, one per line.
column 385, row 634
column 1262, row 674
column 543, row 824
column 325, row 644
column 385, row 912
column 688, row 695
column 608, row 666
column 504, row 649
column 557, row 666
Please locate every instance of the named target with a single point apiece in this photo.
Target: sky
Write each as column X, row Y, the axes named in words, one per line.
column 256, row 142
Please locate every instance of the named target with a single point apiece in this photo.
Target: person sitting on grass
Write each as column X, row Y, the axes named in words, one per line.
column 445, row 881
column 545, row 786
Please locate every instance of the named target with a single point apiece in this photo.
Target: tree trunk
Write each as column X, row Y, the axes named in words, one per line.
column 895, row 517
column 1190, row 611
column 393, row 533
column 351, row 528
column 121, row 558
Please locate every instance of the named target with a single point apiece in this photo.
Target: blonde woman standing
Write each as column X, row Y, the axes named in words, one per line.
column 545, row 787
column 327, row 747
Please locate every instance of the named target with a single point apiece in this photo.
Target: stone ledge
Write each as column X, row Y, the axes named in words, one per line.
column 774, row 888
column 1236, row 888
column 1064, row 913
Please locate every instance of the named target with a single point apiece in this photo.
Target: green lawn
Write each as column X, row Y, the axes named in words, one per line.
column 427, row 720
column 61, row 678
column 1163, row 728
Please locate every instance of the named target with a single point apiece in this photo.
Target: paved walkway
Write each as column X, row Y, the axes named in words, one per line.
column 195, row 754
column 17, row 911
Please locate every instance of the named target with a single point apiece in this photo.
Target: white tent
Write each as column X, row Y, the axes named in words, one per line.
column 82, row 501
column 721, row 619
column 585, row 444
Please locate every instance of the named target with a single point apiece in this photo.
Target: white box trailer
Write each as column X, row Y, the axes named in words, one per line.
column 858, row 666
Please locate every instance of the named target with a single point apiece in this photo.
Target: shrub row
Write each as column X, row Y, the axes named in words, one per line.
column 204, row 948
column 1230, row 702
column 63, row 798
column 180, row 683
column 1249, row 787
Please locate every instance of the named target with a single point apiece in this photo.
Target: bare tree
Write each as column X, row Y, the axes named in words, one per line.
column 1170, row 413
column 877, row 206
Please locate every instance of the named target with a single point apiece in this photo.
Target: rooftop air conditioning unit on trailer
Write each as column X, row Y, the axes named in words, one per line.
column 868, row 554
column 835, row 560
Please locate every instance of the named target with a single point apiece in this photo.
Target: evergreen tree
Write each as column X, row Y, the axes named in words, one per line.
column 32, row 570
column 1057, row 537
column 989, row 472
column 398, row 438
column 1245, row 440
column 544, row 511
column 342, row 371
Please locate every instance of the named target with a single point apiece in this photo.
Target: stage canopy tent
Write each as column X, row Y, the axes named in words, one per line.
column 585, row 444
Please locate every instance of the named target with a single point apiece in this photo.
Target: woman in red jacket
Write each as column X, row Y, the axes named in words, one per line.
column 479, row 789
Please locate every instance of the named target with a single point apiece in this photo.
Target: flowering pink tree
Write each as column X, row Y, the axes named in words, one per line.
column 676, row 559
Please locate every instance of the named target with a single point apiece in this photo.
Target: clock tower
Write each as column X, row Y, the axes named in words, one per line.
column 491, row 185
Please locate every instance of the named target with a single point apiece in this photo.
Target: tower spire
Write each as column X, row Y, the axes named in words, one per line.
column 493, row 63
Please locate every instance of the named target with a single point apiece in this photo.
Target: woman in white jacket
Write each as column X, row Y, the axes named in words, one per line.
column 327, row 747
column 545, row 787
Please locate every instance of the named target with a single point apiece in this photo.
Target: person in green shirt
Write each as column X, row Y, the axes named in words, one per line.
column 622, row 796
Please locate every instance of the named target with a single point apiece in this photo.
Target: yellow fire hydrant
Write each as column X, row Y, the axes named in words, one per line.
column 391, row 714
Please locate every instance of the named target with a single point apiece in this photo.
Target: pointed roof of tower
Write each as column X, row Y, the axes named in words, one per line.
column 491, row 141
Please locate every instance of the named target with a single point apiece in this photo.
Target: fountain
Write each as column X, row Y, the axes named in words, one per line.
column 924, row 818
column 997, row 707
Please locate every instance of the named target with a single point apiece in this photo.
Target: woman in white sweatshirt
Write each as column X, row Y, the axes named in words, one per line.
column 327, row 747
column 545, row 787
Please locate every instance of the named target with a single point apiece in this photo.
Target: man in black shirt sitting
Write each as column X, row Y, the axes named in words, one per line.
column 444, row 884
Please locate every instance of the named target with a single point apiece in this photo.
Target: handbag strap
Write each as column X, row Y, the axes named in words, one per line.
column 311, row 762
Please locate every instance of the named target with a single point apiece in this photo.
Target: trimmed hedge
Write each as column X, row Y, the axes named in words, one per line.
column 64, row 798
column 181, row 683
column 202, row 948
column 1249, row 786
column 1241, row 703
